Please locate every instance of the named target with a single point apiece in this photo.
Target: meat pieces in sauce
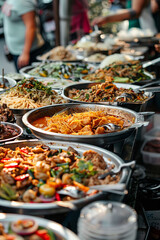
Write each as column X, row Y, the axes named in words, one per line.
column 34, row 174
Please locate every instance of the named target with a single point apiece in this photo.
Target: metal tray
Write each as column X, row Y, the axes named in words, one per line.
column 24, row 71
column 99, row 140
column 136, row 106
column 15, row 126
column 53, row 208
column 61, row 232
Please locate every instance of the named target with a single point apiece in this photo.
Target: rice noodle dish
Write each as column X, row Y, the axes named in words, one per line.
column 29, row 94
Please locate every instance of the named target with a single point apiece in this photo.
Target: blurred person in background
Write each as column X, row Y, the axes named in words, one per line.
column 80, row 25
column 21, row 31
column 139, row 9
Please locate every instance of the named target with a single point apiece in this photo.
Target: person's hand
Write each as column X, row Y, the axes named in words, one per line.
column 157, row 47
column 23, row 60
column 98, row 21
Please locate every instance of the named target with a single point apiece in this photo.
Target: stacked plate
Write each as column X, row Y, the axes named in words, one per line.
column 107, row 221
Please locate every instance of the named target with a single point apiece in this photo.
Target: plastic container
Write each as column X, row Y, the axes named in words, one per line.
column 151, row 157
column 153, row 133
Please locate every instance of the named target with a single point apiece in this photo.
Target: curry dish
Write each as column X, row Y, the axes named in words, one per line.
column 37, row 174
column 81, row 123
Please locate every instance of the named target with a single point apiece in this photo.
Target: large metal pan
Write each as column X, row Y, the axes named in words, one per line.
column 53, row 208
column 136, row 106
column 60, row 231
column 100, row 140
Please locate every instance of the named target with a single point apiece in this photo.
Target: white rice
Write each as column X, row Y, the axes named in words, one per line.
column 114, row 58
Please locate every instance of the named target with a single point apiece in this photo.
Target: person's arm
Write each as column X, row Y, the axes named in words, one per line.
column 157, row 47
column 125, row 14
column 29, row 21
column 155, row 5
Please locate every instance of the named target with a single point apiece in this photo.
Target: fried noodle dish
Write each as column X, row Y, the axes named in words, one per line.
column 83, row 123
column 124, row 72
column 106, row 92
column 29, row 94
column 38, row 174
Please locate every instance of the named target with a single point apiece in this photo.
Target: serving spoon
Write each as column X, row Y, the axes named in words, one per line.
column 74, row 192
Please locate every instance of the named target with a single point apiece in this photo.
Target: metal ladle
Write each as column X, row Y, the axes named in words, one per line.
column 3, row 80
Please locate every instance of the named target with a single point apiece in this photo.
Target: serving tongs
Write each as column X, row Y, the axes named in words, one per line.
column 116, row 171
column 147, row 64
column 145, row 88
column 72, row 191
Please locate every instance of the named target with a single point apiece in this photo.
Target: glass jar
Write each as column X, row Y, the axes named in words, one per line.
column 107, row 220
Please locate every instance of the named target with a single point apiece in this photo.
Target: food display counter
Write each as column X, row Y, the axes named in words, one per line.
column 71, row 133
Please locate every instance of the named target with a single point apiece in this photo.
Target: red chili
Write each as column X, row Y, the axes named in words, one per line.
column 24, row 150
column 5, row 159
column 11, row 165
column 21, row 177
column 56, row 168
column 10, row 160
column 57, row 196
column 43, row 234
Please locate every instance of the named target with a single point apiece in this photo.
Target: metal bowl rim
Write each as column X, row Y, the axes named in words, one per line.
column 64, row 232
column 12, row 125
column 10, row 80
column 17, row 205
column 109, row 103
column 26, row 115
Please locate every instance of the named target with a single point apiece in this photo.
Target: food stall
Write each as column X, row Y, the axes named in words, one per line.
column 79, row 145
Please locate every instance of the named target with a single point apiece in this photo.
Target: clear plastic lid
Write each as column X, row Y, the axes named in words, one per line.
column 109, row 217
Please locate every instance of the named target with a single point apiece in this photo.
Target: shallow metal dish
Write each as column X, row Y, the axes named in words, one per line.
column 99, row 140
column 61, row 232
column 15, row 126
column 24, row 71
column 151, row 76
column 9, row 83
column 49, row 208
column 136, row 106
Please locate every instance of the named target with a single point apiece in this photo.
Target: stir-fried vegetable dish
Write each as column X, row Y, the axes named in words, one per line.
column 106, row 92
column 83, row 123
column 61, row 70
column 38, row 174
column 25, row 228
column 124, row 72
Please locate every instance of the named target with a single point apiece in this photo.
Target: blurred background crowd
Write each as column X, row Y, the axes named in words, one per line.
column 32, row 27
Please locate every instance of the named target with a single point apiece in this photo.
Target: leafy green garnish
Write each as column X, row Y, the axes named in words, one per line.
column 87, row 96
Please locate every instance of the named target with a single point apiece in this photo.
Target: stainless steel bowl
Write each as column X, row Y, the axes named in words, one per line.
column 53, row 208
column 100, row 139
column 16, row 127
column 60, row 231
column 9, row 83
column 136, row 106
column 150, row 76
